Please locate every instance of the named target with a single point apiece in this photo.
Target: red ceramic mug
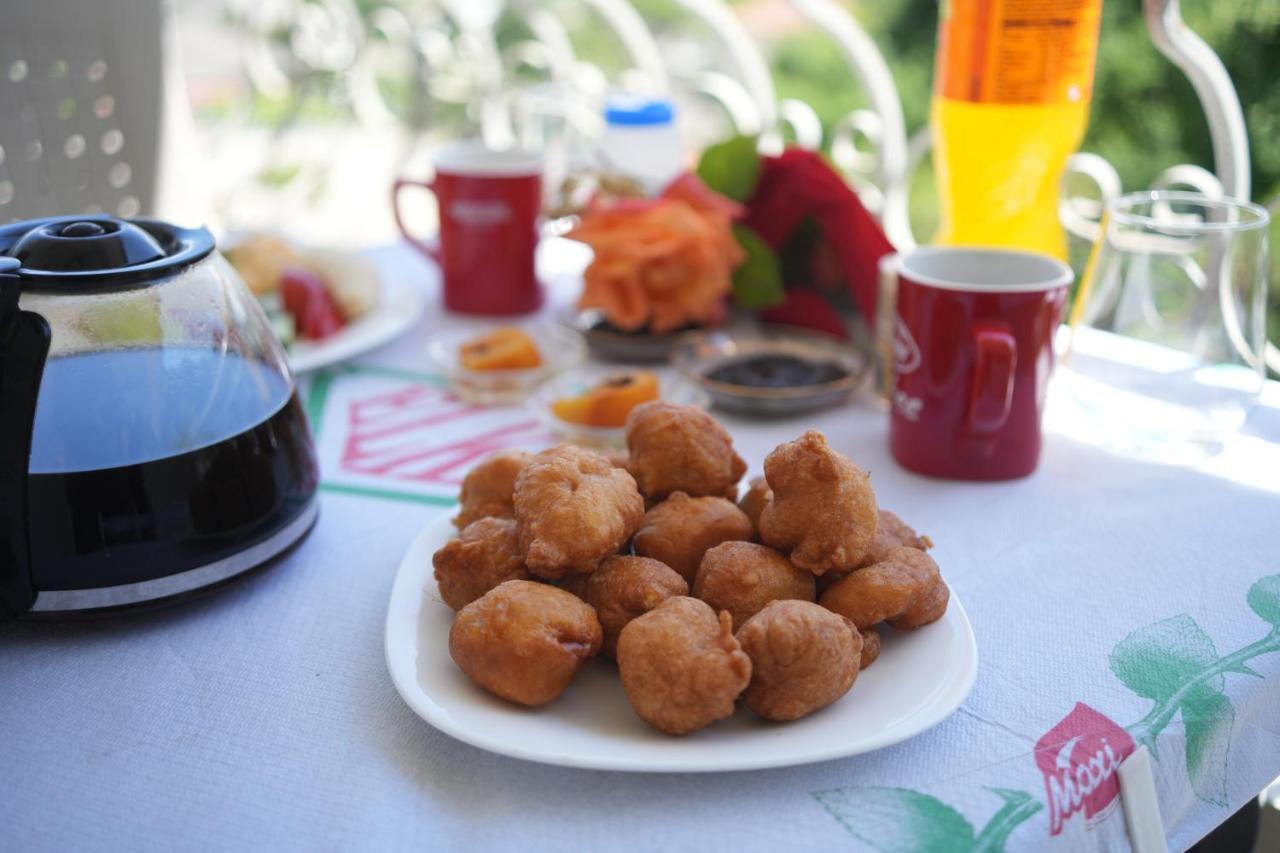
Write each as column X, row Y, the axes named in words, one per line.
column 972, row 352
column 489, row 203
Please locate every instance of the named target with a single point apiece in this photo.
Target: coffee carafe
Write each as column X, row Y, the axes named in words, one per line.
column 152, row 443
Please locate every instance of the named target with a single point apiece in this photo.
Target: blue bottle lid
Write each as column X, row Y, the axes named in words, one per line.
column 636, row 111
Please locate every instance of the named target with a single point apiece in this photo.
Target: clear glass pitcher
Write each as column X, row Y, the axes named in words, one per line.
column 1168, row 329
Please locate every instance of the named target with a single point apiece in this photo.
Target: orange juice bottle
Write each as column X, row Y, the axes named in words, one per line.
column 1012, row 85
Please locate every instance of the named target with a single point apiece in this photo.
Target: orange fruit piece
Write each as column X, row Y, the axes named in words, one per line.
column 506, row 348
column 609, row 402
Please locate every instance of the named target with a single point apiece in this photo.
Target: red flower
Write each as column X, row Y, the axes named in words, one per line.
column 799, row 185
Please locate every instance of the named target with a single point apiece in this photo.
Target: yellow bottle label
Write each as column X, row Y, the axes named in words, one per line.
column 1017, row 51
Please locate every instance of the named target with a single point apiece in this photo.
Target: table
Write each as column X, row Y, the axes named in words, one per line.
column 262, row 717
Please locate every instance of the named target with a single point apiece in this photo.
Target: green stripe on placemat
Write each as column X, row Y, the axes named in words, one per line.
column 317, row 395
column 389, row 494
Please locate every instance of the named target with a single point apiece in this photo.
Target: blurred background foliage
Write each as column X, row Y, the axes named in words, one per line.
column 1145, row 115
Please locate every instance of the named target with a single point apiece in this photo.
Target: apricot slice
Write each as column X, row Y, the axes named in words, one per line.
column 609, row 402
column 506, row 348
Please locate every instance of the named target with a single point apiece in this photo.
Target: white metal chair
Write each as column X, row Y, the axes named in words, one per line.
column 83, row 88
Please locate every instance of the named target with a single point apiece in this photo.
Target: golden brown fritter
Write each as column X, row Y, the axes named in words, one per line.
column 905, row 578
column 485, row 554
column 893, row 532
column 930, row 608
column 679, row 530
column 803, row 658
column 487, row 489
column 573, row 509
column 678, row 448
column 681, row 667
column 870, row 647
column 624, row 588
column 754, row 501
column 823, row 513
column 742, row 577
column 524, row 641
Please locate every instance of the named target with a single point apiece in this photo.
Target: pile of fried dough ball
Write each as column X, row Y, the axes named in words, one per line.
column 777, row 599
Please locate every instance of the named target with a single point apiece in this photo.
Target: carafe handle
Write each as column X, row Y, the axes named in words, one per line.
column 24, row 346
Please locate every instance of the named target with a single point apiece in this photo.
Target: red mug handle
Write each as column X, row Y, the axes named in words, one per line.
column 428, row 249
column 991, row 383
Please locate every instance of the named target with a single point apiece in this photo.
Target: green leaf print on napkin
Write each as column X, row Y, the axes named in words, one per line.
column 1208, row 716
column 898, row 820
column 1174, row 663
column 1264, row 599
column 1156, row 660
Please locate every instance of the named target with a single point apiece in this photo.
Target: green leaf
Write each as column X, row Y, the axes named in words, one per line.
column 1264, row 599
column 1017, row 809
column 731, row 168
column 757, row 281
column 1156, row 660
column 898, row 820
column 1208, row 716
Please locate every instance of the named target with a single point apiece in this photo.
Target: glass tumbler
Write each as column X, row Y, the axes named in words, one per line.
column 1168, row 330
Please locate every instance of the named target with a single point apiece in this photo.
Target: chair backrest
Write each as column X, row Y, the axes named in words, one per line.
column 81, row 88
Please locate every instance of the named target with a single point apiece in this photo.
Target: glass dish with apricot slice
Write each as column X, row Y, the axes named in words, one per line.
column 589, row 405
column 499, row 365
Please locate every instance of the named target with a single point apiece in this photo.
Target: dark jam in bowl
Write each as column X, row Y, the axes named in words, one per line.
column 776, row 370
column 197, row 456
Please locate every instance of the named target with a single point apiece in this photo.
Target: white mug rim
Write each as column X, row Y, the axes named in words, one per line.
column 1054, row 273
column 471, row 158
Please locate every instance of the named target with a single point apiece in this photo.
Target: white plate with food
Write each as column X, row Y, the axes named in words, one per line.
column 920, row 678
column 326, row 305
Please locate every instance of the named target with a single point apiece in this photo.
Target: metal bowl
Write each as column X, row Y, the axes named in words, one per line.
column 606, row 343
column 697, row 354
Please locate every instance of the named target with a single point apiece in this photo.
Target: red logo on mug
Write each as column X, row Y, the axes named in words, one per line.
column 1079, row 758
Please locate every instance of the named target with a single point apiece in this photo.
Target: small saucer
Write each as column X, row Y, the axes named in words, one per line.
column 559, row 347
column 697, row 354
column 614, row 345
column 672, row 387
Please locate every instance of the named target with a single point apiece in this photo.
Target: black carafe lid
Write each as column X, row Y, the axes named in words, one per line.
column 100, row 252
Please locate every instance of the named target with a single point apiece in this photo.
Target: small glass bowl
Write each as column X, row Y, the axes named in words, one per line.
column 699, row 353
column 560, row 348
column 672, row 387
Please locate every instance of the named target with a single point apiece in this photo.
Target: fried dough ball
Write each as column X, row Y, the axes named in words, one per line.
column 803, row 658
column 487, row 489
column 742, row 577
column 681, row 667
column 486, row 554
column 524, row 641
column 624, row 588
column 870, row 647
column 893, row 532
column 755, row 500
column 905, row 578
column 823, row 513
column 617, row 458
column 681, row 529
column 929, row 609
column 573, row 509
column 678, row 448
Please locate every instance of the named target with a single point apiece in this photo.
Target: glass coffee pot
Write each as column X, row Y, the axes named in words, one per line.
column 151, row 440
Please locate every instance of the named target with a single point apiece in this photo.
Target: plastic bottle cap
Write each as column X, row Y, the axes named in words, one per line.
column 637, row 111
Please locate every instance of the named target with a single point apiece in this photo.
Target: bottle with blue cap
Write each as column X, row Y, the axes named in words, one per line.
column 641, row 141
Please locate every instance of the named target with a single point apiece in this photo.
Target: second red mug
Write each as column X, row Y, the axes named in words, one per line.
column 973, row 352
column 489, row 203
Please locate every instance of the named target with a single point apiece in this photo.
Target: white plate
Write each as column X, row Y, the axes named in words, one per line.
column 919, row 680
column 400, row 305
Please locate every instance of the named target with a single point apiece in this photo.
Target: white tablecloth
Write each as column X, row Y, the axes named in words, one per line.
column 262, row 717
